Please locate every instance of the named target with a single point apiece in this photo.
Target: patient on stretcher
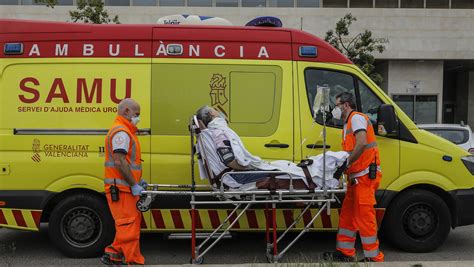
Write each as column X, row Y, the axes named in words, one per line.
column 225, row 152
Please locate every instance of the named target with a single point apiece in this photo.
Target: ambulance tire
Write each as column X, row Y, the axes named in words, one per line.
column 79, row 226
column 417, row 221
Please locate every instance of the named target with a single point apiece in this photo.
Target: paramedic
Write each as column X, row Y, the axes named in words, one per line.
column 123, row 185
column 364, row 175
column 226, row 159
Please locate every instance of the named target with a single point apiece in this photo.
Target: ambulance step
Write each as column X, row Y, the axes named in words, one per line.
column 227, row 235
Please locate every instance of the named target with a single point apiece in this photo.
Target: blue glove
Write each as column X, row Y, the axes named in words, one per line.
column 143, row 183
column 137, row 190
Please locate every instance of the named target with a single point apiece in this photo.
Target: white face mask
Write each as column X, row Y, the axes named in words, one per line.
column 135, row 120
column 336, row 113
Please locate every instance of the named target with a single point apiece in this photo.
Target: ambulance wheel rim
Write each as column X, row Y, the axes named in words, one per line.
column 419, row 220
column 81, row 227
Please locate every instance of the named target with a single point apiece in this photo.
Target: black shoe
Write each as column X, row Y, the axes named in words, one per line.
column 337, row 256
column 105, row 259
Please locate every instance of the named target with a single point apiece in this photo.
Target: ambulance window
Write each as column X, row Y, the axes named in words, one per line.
column 249, row 95
column 370, row 103
column 337, row 82
column 251, row 92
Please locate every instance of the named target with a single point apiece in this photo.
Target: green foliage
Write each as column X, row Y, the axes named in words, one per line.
column 88, row 11
column 359, row 49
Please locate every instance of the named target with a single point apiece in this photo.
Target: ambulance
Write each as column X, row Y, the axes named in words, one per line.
column 60, row 84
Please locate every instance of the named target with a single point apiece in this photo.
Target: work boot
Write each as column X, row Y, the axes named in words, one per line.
column 337, row 256
column 105, row 259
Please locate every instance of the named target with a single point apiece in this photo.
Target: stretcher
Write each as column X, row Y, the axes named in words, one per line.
column 242, row 200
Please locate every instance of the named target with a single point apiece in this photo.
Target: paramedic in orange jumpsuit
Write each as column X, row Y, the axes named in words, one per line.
column 358, row 212
column 123, row 185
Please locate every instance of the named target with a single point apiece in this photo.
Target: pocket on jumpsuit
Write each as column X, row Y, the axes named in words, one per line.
column 365, row 191
column 126, row 228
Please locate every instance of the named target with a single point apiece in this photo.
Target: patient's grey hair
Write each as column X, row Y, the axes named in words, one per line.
column 204, row 114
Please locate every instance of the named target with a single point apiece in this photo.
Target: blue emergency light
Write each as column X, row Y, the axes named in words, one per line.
column 13, row 49
column 308, row 51
column 267, row 21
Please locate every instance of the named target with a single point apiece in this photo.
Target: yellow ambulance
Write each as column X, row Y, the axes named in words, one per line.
column 59, row 88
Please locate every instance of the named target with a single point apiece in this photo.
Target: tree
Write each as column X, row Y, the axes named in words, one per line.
column 359, row 49
column 88, row 11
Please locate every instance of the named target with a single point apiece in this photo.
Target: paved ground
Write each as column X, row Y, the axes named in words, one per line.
column 27, row 248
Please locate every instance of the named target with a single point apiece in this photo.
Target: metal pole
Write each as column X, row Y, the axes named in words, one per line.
column 324, row 149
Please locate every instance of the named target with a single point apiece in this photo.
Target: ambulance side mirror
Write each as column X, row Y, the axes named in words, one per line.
column 387, row 122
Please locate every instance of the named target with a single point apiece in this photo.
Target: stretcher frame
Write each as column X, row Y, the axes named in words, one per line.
column 242, row 201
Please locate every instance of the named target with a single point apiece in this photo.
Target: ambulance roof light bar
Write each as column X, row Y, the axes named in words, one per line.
column 266, row 21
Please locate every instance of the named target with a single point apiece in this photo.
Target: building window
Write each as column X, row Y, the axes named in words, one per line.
column 32, row 2
column 335, row 3
column 413, row 4
column 386, row 3
column 437, row 3
column 227, row 3
column 117, row 2
column 307, row 3
column 420, row 108
column 362, row 3
column 199, row 2
column 462, row 4
column 9, row 2
column 254, row 3
column 144, row 2
column 171, row 2
column 281, row 3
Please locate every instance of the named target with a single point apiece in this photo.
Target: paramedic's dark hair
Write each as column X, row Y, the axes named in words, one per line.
column 203, row 114
column 347, row 97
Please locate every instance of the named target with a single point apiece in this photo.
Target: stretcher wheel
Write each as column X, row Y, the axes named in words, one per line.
column 141, row 205
column 197, row 261
column 269, row 258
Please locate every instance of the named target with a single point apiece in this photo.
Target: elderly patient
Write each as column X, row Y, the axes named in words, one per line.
column 224, row 159
column 228, row 153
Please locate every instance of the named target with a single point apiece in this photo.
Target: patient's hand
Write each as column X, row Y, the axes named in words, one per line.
column 236, row 166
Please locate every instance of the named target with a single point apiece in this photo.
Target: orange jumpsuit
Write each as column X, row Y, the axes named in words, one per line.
column 358, row 212
column 126, row 245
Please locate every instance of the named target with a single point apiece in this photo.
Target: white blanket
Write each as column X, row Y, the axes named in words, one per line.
column 245, row 158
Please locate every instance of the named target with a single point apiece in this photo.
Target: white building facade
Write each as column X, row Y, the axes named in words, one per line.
column 428, row 65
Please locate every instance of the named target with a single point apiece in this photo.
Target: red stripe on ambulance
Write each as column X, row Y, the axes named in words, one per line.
column 143, row 223
column 252, row 218
column 197, row 218
column 232, row 218
column 307, row 217
column 326, row 219
column 36, row 217
column 379, row 213
column 288, row 215
column 3, row 220
column 177, row 220
column 214, row 217
column 20, row 221
column 158, row 218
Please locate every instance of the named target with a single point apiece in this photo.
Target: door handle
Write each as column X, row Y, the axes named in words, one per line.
column 314, row 146
column 277, row 145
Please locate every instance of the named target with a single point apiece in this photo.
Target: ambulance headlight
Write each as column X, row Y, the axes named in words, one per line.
column 469, row 163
